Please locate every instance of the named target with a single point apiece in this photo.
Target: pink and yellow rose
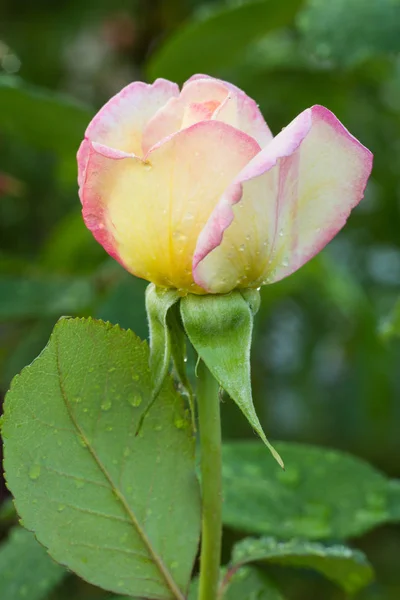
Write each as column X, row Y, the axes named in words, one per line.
column 189, row 189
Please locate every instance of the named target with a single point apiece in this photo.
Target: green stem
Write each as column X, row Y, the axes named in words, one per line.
column 211, row 478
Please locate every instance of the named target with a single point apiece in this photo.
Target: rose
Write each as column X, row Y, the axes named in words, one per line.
column 190, row 190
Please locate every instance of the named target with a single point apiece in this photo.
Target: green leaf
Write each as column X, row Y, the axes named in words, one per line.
column 106, row 503
column 158, row 303
column 220, row 329
column 22, row 298
column 323, row 494
column 26, row 569
column 44, row 119
column 215, row 42
column 346, row 567
column 248, row 583
column 349, row 31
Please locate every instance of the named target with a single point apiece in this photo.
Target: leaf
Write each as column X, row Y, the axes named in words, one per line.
column 322, row 494
column 26, row 570
column 250, row 584
column 43, row 119
column 106, row 503
column 349, row 31
column 23, row 298
column 346, row 567
column 214, row 42
column 220, row 329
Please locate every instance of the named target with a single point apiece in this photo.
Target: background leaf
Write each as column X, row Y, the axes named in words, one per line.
column 23, row 298
column 44, row 119
column 249, row 583
column 323, row 494
column 219, row 38
column 26, row 569
column 346, row 567
column 105, row 502
column 349, row 31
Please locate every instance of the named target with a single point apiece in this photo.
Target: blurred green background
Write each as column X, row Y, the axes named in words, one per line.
column 326, row 353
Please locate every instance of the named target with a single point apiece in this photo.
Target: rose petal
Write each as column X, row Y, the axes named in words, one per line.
column 248, row 117
column 170, row 118
column 285, row 205
column 148, row 214
column 120, row 123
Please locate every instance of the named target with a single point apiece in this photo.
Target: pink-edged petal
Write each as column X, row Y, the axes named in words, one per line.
column 120, row 123
column 170, row 118
column 285, row 205
column 148, row 214
column 249, row 117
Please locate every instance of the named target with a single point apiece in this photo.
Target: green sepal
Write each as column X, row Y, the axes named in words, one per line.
column 167, row 340
column 158, row 303
column 220, row 329
column 178, row 351
column 252, row 298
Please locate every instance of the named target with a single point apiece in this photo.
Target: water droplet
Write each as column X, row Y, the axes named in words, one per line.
column 112, row 369
column 179, row 236
column 189, row 217
column 248, row 237
column 281, row 233
column 158, row 428
column 106, row 405
column 135, row 400
column 34, row 471
column 82, row 442
column 135, row 377
column 180, row 423
column 109, row 428
column 147, row 166
column 127, row 452
column 174, row 564
column 79, row 484
column 285, row 263
column 61, row 507
column 242, row 247
column 120, row 584
column 77, row 399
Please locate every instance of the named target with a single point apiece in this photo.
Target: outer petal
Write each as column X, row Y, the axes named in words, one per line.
column 285, row 205
column 120, row 123
column 148, row 214
column 249, row 119
column 170, row 118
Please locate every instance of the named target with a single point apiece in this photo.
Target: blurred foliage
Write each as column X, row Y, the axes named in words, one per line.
column 326, row 351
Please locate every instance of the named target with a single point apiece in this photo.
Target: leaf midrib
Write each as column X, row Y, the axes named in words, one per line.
column 172, row 586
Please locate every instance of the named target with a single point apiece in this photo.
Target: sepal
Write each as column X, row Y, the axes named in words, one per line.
column 220, row 329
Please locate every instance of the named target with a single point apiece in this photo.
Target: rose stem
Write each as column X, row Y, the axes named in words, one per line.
column 211, row 477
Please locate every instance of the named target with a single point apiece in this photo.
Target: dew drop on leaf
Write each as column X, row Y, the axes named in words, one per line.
column 135, row 400
column 34, row 471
